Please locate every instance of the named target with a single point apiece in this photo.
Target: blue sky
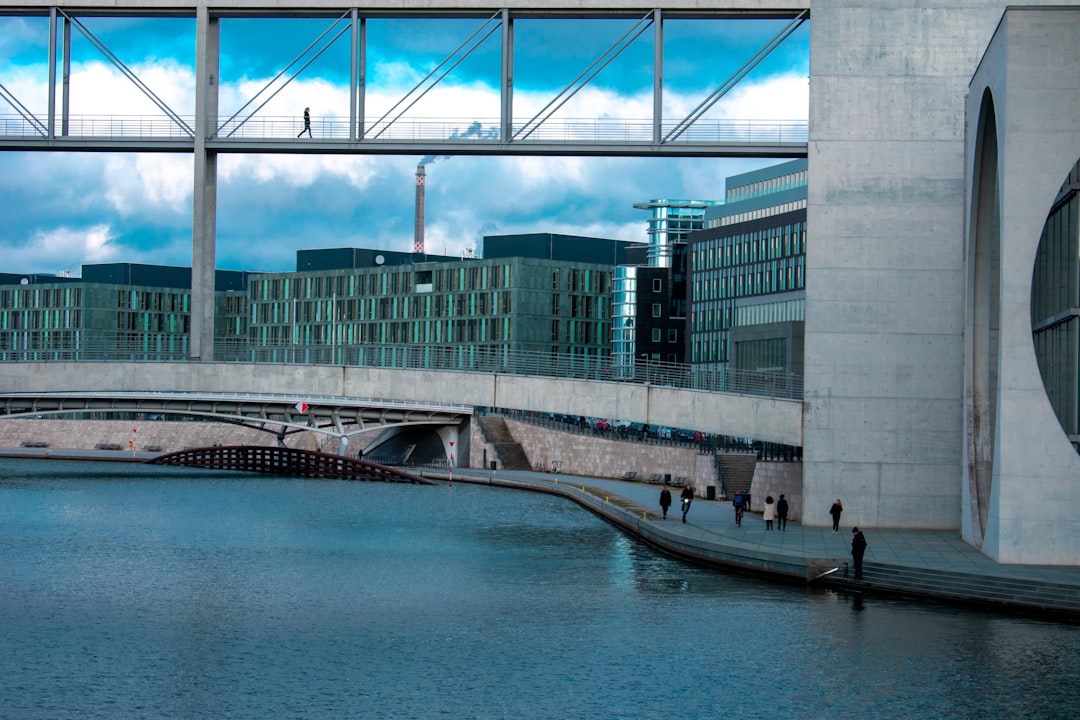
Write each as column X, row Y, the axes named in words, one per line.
column 63, row 210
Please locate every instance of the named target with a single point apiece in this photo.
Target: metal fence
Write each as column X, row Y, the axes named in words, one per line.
column 454, row 358
column 466, row 131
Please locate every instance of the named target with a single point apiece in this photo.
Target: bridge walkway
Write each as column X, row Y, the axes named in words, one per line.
column 935, row 565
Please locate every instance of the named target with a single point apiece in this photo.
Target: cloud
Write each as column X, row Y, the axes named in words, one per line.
column 63, row 248
column 62, row 210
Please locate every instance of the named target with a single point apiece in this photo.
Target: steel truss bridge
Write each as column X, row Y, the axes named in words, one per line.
column 398, row 130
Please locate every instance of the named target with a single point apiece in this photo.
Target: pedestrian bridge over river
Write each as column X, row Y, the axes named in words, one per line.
column 342, row 399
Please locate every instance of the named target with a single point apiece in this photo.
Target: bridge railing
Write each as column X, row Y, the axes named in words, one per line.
column 443, row 130
column 454, row 358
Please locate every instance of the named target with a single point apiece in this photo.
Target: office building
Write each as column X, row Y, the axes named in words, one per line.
column 142, row 309
column 747, row 270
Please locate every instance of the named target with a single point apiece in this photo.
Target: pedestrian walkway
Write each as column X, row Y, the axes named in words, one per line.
column 926, row 563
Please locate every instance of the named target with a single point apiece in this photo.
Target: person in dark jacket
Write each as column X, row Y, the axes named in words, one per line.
column 858, row 548
column 307, row 122
column 665, row 501
column 781, row 513
column 835, row 510
column 687, row 498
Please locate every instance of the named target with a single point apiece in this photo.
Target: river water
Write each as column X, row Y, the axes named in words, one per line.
column 136, row 592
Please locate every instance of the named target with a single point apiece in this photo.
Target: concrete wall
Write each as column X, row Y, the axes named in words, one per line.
column 883, row 410
column 1021, row 489
column 169, row 436
column 778, row 421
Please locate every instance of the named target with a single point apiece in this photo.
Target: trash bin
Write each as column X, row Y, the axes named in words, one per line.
column 492, row 466
column 710, row 492
column 667, row 478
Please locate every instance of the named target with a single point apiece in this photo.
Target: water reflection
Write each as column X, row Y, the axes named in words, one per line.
column 177, row 594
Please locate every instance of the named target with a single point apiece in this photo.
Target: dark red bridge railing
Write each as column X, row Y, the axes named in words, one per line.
column 286, row 461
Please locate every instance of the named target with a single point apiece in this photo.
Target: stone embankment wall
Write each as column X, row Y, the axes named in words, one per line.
column 164, row 435
column 593, row 456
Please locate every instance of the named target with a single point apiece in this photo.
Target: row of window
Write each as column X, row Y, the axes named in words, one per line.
column 746, row 280
column 40, row 319
column 766, row 186
column 758, row 213
column 40, row 297
column 467, row 276
column 774, row 243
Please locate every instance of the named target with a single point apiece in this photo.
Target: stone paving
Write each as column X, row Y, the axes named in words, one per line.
column 712, row 524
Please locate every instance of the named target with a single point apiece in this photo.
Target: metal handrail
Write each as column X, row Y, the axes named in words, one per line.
column 463, row 131
column 451, row 358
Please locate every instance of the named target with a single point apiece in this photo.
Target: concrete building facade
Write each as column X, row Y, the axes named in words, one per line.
column 893, row 343
column 1021, row 469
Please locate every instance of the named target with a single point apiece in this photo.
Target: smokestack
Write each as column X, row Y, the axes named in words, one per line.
column 418, row 233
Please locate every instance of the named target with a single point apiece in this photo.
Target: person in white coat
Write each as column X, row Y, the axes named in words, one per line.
column 770, row 512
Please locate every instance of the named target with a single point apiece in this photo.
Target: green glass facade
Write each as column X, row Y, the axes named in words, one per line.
column 747, row 275
column 494, row 306
column 46, row 316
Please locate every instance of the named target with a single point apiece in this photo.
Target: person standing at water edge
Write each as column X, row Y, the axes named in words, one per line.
column 858, row 548
column 770, row 512
column 835, row 510
column 665, row 501
column 307, row 122
column 781, row 513
column 687, row 498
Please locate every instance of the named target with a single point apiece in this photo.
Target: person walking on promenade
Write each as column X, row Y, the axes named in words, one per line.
column 781, row 513
column 687, row 498
column 858, row 548
column 665, row 501
column 307, row 122
column 835, row 510
column 739, row 503
column 770, row 512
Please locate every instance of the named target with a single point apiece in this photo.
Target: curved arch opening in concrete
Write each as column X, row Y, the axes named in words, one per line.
column 984, row 297
column 1055, row 323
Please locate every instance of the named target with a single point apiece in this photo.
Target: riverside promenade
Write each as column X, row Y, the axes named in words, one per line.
column 928, row 564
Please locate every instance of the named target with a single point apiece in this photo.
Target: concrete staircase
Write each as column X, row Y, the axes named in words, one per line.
column 738, row 472
column 510, row 454
column 988, row 591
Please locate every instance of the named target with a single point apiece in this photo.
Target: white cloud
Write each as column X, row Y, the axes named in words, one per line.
column 144, row 183
column 63, row 248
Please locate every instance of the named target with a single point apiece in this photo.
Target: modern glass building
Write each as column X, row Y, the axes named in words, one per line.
column 649, row 324
column 478, row 308
column 1055, row 297
column 116, row 307
column 747, row 274
column 670, row 222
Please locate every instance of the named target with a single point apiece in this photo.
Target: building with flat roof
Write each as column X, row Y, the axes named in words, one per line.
column 747, row 274
column 493, row 306
column 142, row 309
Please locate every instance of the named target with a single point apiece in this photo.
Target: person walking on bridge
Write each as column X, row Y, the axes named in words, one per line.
column 687, row 498
column 307, row 122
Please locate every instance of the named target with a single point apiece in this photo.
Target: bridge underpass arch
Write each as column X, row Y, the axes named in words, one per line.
column 333, row 418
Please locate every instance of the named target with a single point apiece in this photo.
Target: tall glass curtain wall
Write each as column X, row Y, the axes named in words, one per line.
column 624, row 307
column 764, row 261
column 1055, row 297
